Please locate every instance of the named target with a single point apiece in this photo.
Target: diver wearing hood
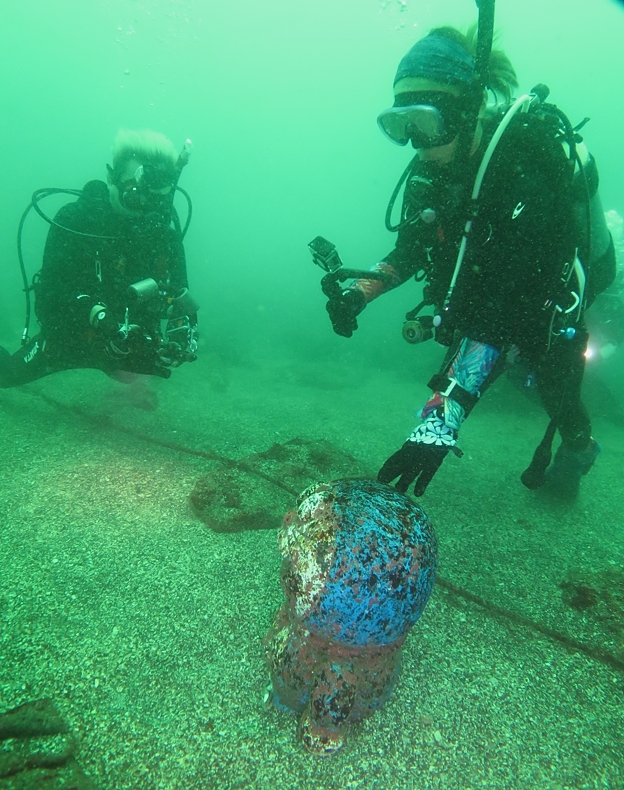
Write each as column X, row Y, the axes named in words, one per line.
column 495, row 220
column 113, row 268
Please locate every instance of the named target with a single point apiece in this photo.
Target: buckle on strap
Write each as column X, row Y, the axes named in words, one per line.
column 452, row 383
column 451, row 388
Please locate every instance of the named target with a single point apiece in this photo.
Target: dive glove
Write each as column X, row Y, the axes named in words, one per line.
column 343, row 309
column 420, row 457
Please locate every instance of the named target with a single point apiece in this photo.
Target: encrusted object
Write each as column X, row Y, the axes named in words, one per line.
column 597, row 594
column 359, row 565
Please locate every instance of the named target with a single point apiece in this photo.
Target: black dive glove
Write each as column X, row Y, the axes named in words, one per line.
column 181, row 342
column 420, row 457
column 134, row 350
column 343, row 309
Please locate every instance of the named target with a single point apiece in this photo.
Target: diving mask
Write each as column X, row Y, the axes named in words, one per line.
column 150, row 189
column 149, row 179
column 427, row 118
column 155, row 179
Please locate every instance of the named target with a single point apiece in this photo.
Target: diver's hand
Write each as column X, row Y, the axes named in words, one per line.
column 135, row 350
column 343, row 309
column 180, row 344
column 127, row 340
column 420, row 457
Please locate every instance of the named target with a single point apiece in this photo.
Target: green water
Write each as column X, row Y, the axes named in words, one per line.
column 143, row 625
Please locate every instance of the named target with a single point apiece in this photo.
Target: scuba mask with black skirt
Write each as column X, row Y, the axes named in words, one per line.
column 426, row 118
column 148, row 194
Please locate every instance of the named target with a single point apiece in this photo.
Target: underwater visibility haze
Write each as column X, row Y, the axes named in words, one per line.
column 140, row 567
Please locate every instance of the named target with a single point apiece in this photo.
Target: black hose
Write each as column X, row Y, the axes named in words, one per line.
column 46, row 192
column 404, row 220
column 189, row 213
column 485, row 37
column 27, row 286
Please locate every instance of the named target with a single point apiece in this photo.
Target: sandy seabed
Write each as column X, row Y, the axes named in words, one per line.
column 146, row 627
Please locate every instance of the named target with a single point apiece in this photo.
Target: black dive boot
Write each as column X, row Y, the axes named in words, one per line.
column 563, row 477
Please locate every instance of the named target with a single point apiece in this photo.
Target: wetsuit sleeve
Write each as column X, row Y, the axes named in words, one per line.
column 408, row 257
column 374, row 288
column 469, row 368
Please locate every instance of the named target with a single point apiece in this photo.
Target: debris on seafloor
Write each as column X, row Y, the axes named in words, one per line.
column 37, row 751
column 256, row 491
column 598, row 595
column 359, row 564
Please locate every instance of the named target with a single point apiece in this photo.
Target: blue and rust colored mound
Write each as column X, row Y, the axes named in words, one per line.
column 359, row 562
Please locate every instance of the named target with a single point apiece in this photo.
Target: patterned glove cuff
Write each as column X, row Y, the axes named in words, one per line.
column 433, row 430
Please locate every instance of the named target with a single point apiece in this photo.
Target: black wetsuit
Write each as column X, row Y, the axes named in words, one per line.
column 80, row 272
column 528, row 228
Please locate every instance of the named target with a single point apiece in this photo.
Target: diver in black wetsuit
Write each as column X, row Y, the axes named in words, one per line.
column 113, row 268
column 498, row 227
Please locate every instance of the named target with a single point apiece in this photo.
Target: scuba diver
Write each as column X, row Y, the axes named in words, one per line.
column 113, row 269
column 502, row 220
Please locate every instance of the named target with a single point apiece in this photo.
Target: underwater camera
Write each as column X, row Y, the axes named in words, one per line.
column 325, row 254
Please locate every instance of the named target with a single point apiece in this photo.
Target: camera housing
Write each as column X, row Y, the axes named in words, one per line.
column 325, row 254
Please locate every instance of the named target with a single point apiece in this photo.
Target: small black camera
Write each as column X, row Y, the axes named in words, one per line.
column 325, row 254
